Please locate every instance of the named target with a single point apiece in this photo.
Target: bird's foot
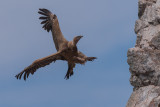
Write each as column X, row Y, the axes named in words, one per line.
column 91, row 58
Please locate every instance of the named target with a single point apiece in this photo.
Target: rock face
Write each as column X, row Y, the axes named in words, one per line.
column 148, row 96
column 144, row 58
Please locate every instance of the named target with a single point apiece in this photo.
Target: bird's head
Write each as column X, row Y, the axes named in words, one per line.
column 76, row 39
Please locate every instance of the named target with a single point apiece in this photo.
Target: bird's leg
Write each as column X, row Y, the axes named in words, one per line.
column 70, row 70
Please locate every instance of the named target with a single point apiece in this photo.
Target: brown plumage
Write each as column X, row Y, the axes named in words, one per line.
column 66, row 50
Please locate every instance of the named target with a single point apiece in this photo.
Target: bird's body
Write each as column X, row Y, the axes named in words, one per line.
column 66, row 50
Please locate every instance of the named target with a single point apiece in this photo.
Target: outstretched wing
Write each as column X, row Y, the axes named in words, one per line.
column 50, row 23
column 38, row 64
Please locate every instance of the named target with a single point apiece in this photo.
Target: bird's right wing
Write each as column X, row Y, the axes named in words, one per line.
column 38, row 64
column 51, row 24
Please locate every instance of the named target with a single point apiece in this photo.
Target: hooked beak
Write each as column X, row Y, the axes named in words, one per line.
column 76, row 39
column 79, row 37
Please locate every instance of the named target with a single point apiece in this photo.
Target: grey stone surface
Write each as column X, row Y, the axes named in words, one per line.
column 148, row 96
column 144, row 58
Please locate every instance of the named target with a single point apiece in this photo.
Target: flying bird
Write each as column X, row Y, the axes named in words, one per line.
column 66, row 50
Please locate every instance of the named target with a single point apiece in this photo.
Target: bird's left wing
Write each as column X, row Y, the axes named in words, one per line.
column 38, row 64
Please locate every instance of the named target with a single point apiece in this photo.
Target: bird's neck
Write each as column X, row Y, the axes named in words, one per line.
column 71, row 44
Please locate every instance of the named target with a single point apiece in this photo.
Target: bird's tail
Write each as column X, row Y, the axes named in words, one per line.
column 47, row 18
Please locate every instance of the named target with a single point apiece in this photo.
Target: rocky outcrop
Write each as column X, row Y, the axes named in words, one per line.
column 144, row 58
column 148, row 96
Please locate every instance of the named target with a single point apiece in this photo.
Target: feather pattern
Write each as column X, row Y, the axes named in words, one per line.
column 48, row 17
column 38, row 64
column 50, row 23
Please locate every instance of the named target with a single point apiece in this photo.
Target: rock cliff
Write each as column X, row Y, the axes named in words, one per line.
column 144, row 58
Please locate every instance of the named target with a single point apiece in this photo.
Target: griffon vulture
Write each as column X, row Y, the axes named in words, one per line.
column 66, row 50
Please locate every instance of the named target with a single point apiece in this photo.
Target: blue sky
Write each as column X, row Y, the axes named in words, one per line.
column 108, row 30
